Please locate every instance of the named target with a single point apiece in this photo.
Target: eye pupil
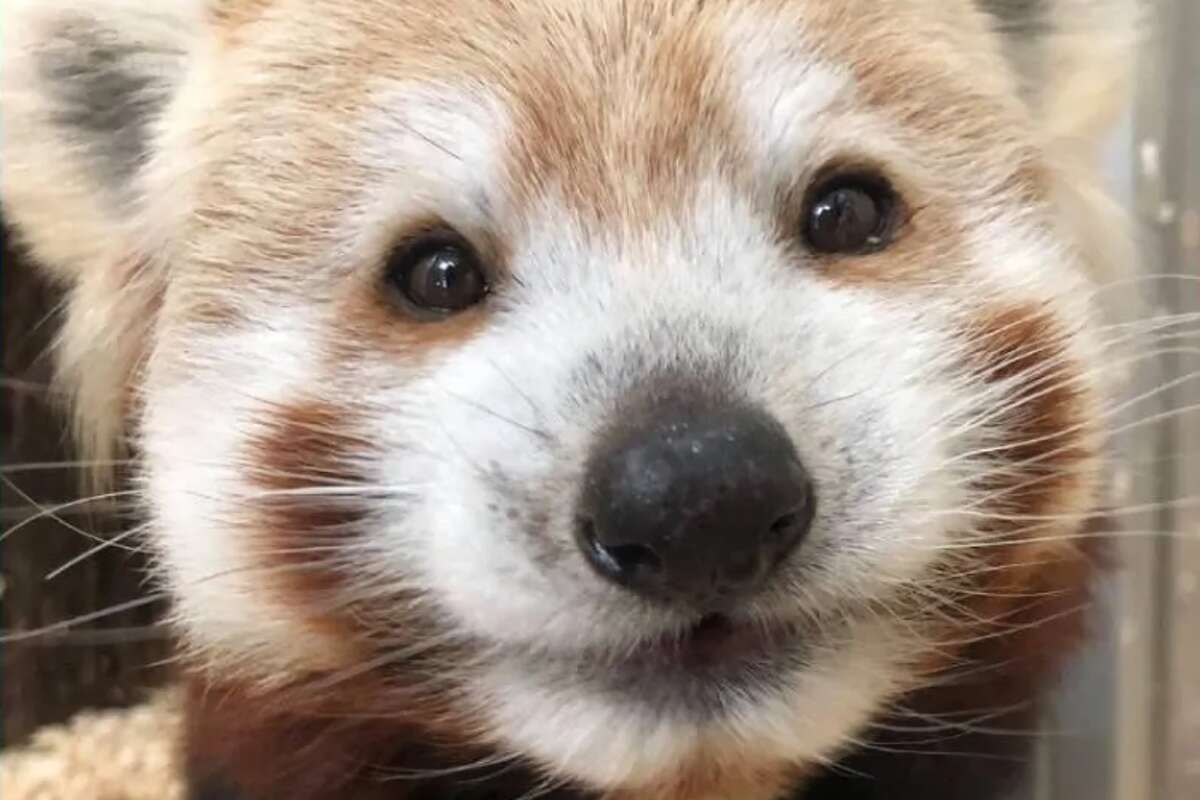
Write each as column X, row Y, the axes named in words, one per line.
column 441, row 277
column 848, row 217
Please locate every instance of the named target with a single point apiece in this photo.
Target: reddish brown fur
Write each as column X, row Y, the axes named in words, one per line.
column 1050, row 456
column 315, row 740
column 340, row 730
column 1052, row 426
column 307, row 446
column 1028, row 599
column 621, row 170
column 230, row 15
column 973, row 725
column 373, row 323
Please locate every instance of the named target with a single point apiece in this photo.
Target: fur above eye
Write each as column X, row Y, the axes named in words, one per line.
column 850, row 215
column 439, row 273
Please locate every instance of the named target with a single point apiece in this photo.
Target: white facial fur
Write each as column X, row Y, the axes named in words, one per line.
column 483, row 447
column 474, row 447
column 194, row 434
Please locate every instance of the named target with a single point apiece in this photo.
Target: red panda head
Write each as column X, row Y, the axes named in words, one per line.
column 653, row 392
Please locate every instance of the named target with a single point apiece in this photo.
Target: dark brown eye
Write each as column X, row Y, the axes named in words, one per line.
column 850, row 215
column 438, row 273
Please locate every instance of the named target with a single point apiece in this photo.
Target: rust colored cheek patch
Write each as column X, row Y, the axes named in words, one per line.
column 1048, row 427
column 308, row 508
column 1021, row 597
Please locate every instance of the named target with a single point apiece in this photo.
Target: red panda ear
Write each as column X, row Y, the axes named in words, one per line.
column 1072, row 58
column 83, row 87
column 1074, row 62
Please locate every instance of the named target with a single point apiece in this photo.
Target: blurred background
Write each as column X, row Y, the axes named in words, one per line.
column 1126, row 722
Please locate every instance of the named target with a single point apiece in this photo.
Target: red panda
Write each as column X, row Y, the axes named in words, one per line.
column 658, row 400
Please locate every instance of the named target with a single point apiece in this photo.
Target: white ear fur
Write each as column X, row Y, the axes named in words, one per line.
column 1073, row 58
column 83, row 84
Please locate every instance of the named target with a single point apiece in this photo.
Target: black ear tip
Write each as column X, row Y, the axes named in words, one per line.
column 104, row 94
column 1019, row 16
column 93, row 80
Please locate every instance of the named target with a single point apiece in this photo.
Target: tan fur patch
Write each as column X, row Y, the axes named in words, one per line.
column 605, row 136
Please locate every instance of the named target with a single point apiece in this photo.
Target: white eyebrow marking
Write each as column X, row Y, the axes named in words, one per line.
column 432, row 147
column 784, row 93
column 801, row 111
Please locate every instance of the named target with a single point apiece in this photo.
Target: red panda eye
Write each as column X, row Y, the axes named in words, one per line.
column 438, row 273
column 849, row 215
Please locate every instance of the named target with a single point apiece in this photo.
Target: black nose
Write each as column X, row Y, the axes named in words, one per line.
column 695, row 508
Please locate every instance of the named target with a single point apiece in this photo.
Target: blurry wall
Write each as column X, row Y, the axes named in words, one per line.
column 1127, row 722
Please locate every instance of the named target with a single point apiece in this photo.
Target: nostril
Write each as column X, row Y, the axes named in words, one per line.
column 790, row 528
column 621, row 561
column 795, row 522
column 636, row 558
column 785, row 523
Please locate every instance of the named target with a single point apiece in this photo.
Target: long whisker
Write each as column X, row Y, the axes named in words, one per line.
column 43, row 466
column 22, row 636
column 478, row 406
column 102, row 546
column 54, row 512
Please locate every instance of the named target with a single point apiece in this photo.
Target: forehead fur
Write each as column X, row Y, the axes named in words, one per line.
column 614, row 110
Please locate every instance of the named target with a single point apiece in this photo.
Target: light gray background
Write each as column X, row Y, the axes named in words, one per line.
column 1126, row 725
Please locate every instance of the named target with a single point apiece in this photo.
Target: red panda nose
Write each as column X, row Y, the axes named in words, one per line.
column 695, row 509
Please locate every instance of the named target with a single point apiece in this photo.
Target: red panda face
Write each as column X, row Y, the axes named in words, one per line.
column 655, row 390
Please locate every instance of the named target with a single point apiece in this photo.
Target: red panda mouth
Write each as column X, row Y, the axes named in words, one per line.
column 716, row 637
column 716, row 643
column 694, row 671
